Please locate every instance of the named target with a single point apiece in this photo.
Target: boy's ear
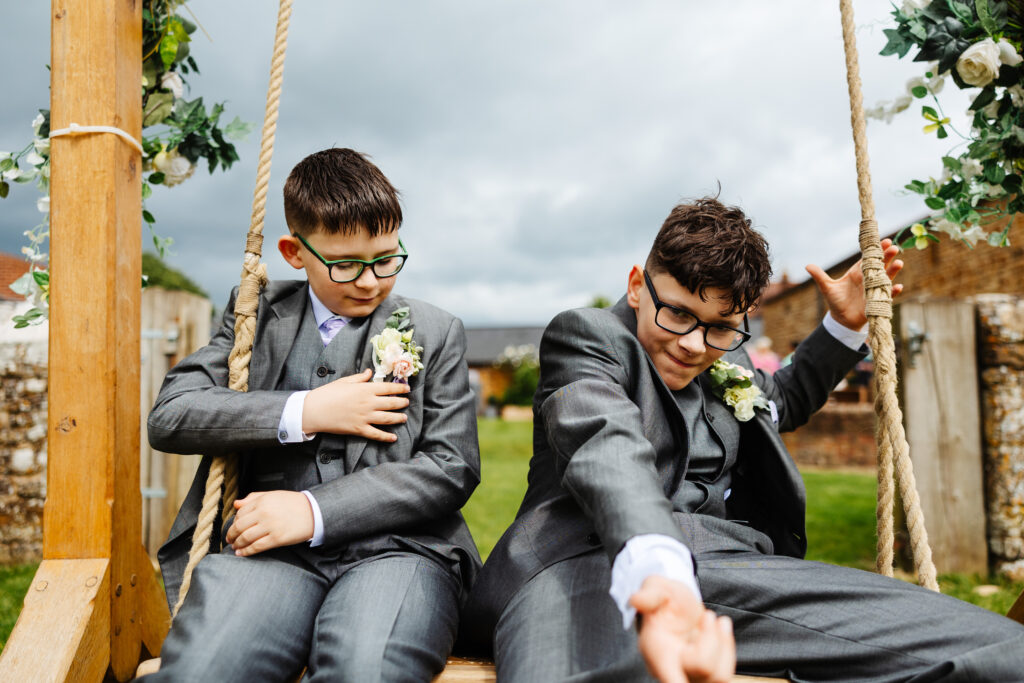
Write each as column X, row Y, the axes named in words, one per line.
column 634, row 285
column 289, row 247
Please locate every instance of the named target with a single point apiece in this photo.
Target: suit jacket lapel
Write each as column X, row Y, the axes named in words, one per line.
column 371, row 325
column 278, row 322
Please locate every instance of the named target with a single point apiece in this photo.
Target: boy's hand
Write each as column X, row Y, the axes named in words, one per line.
column 845, row 296
column 352, row 405
column 680, row 640
column 270, row 519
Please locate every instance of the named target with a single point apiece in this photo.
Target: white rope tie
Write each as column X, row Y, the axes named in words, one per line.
column 75, row 129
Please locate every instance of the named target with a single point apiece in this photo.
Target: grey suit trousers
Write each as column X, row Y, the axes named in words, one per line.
column 392, row 617
column 805, row 621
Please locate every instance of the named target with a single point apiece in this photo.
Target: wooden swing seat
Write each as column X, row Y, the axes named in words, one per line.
column 458, row 670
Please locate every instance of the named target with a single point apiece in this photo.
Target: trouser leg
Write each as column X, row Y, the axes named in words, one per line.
column 244, row 619
column 811, row 621
column 392, row 618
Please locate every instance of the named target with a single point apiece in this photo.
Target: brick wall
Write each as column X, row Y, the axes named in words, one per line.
column 22, row 451
column 947, row 269
column 839, row 435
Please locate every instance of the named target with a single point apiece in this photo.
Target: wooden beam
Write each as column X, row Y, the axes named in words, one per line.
column 93, row 504
column 62, row 632
column 1017, row 611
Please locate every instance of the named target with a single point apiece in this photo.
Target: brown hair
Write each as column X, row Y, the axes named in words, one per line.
column 707, row 244
column 338, row 190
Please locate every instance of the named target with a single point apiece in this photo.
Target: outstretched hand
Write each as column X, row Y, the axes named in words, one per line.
column 270, row 519
column 845, row 296
column 680, row 640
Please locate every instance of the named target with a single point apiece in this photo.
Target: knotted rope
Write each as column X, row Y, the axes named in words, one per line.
column 889, row 434
column 224, row 469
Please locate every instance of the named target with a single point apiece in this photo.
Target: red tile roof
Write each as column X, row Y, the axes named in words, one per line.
column 11, row 268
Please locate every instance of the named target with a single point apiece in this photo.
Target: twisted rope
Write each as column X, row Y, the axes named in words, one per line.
column 224, row 469
column 889, row 435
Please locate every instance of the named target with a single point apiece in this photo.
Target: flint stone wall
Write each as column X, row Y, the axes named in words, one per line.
column 22, row 451
column 1001, row 363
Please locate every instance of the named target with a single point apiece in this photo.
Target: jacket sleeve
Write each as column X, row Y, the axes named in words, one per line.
column 801, row 388
column 597, row 433
column 195, row 412
column 436, row 480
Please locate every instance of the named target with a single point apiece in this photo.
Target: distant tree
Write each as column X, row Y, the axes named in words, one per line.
column 600, row 301
column 159, row 274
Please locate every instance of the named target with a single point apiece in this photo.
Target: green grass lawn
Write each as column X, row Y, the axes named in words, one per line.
column 840, row 521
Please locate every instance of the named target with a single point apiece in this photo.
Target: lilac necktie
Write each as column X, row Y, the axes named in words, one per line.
column 330, row 327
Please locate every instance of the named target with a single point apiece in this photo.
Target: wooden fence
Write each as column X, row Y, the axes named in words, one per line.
column 174, row 324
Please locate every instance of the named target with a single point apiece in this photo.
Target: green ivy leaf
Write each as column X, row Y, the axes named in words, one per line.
column 158, row 107
column 919, row 91
column 168, row 49
column 5, row 189
column 147, row 190
column 952, row 163
column 1012, row 183
column 985, row 16
column 908, row 243
column 41, row 277
column 897, row 45
column 941, row 132
column 934, row 203
column 6, row 164
column 984, row 98
column 147, row 216
column 994, row 173
column 157, row 178
column 929, row 112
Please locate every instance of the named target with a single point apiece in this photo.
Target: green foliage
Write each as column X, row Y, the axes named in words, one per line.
column 523, row 385
column 14, row 583
column 977, row 44
column 159, row 274
column 600, row 301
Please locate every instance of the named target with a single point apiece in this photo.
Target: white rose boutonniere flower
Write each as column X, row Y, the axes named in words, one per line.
column 734, row 385
column 394, row 351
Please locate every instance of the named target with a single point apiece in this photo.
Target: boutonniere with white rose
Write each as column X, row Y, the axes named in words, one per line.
column 394, row 351
column 735, row 386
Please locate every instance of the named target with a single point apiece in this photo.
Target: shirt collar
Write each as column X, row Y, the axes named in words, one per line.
column 320, row 312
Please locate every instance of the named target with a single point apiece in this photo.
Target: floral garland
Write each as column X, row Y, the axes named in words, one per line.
column 978, row 45
column 177, row 134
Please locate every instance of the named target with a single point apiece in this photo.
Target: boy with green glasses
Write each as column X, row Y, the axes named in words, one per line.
column 347, row 554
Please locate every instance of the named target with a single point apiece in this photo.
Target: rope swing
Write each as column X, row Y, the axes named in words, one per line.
column 893, row 451
column 890, row 438
column 224, row 468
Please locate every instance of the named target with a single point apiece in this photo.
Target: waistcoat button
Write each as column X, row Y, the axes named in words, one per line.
column 325, row 458
column 321, row 371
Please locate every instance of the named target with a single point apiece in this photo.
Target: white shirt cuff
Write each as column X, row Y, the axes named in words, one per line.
column 289, row 430
column 644, row 556
column 318, row 521
column 852, row 339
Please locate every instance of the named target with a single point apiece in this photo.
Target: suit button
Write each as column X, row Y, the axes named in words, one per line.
column 593, row 539
column 325, row 458
column 322, row 371
column 282, row 435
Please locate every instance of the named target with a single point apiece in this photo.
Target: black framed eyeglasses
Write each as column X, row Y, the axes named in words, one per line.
column 349, row 269
column 678, row 321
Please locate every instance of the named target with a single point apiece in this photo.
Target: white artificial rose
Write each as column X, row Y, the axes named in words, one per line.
column 176, row 168
column 34, row 158
column 172, row 81
column 935, row 83
column 901, row 103
column 1008, row 54
column 979, row 64
column 43, row 204
column 912, row 7
column 37, row 123
column 972, row 235
column 970, row 168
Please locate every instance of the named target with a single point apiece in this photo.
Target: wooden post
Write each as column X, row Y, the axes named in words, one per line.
column 92, row 519
column 939, row 377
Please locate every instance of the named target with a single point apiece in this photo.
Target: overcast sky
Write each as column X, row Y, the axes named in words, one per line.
column 538, row 145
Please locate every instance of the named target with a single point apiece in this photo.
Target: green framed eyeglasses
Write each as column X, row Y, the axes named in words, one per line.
column 349, row 269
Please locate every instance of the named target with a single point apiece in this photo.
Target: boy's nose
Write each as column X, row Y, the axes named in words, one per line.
column 693, row 341
column 366, row 279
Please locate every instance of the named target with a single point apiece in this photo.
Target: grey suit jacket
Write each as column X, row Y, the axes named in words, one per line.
column 402, row 495
column 610, row 450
